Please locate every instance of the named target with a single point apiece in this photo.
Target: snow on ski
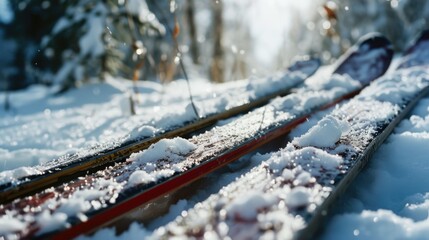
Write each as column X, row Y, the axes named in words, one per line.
column 91, row 201
column 77, row 164
column 289, row 195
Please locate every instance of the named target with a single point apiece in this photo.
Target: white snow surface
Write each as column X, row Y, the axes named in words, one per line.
column 42, row 127
column 325, row 134
column 172, row 150
column 389, row 197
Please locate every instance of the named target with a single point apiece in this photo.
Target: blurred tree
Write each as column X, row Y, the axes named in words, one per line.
column 32, row 20
column 217, row 65
column 67, row 42
column 190, row 12
column 102, row 37
column 343, row 22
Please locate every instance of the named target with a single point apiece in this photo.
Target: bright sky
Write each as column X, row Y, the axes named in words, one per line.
column 272, row 21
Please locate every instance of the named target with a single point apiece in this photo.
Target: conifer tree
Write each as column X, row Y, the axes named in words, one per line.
column 68, row 42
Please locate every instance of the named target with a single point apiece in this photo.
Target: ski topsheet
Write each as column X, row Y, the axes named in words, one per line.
column 290, row 193
column 89, row 202
column 247, row 97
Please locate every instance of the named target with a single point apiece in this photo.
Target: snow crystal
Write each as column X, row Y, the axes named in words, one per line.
column 342, row 81
column 172, row 149
column 143, row 132
column 303, row 178
column 21, row 172
column 49, row 222
column 136, row 231
column 378, row 224
column 396, row 87
column 262, row 86
column 299, row 196
column 396, row 181
column 247, row 206
column 88, row 194
column 10, row 225
column 325, row 134
column 73, row 206
column 139, row 177
column 317, row 99
column 417, row 207
column 287, row 174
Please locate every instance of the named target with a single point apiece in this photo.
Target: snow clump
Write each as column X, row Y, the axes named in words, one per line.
column 325, row 134
column 247, row 206
column 173, row 150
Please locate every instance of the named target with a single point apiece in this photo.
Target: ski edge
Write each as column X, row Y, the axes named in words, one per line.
column 314, row 226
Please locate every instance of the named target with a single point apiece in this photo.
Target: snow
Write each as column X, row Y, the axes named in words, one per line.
column 140, row 177
column 160, row 160
column 90, row 43
column 48, row 221
column 375, row 214
column 301, row 166
column 172, row 149
column 325, row 134
column 299, row 196
column 42, row 127
column 8, row 225
column 398, row 87
column 390, row 197
column 247, row 207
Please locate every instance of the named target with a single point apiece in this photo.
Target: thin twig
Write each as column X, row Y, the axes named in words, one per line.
column 182, row 66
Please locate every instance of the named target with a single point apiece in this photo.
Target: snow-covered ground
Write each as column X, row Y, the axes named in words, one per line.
column 41, row 127
column 390, row 197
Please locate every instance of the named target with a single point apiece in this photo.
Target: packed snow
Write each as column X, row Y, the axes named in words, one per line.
column 390, row 198
column 274, row 191
column 365, row 221
column 325, row 134
column 42, row 127
column 170, row 156
column 167, row 157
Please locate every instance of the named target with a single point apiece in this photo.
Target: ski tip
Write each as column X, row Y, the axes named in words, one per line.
column 424, row 35
column 375, row 40
column 305, row 63
column 367, row 60
column 417, row 54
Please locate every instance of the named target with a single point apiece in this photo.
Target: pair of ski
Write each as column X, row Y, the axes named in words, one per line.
column 78, row 164
column 289, row 195
column 110, row 193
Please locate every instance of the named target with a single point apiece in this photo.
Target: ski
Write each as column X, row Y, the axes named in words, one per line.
column 69, row 167
column 96, row 199
column 289, row 195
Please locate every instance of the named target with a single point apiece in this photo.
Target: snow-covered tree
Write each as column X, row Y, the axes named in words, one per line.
column 95, row 38
column 68, row 42
column 32, row 19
